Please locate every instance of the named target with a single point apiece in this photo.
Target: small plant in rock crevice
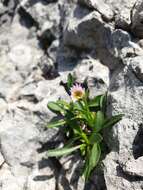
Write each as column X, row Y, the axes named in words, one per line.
column 83, row 119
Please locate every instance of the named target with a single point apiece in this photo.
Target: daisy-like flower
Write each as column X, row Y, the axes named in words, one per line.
column 77, row 92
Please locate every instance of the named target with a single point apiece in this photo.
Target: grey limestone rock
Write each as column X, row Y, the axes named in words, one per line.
column 41, row 41
column 137, row 18
column 137, row 66
column 101, row 6
column 96, row 74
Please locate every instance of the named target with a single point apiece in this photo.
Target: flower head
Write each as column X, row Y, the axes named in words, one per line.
column 77, row 92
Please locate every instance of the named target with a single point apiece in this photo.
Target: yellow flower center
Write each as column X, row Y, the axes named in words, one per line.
column 78, row 94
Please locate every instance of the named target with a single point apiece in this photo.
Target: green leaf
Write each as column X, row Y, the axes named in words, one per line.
column 112, row 121
column 54, row 107
column 92, row 160
column 84, row 137
column 77, row 130
column 99, row 121
column 82, row 151
column 95, row 102
column 86, row 171
column 70, row 81
column 95, row 138
column 62, row 151
column 63, row 104
column 103, row 101
column 98, row 101
column 58, row 123
column 71, row 142
column 80, row 107
column 95, row 155
column 87, row 94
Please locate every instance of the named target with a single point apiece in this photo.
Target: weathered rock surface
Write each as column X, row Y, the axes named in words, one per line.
column 103, row 8
column 41, row 41
column 137, row 19
column 119, row 11
column 97, row 75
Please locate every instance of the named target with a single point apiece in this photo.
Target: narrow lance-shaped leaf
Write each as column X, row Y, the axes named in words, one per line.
column 58, row 123
column 70, row 81
column 71, row 142
column 79, row 105
column 84, row 137
column 112, row 121
column 92, row 160
column 95, row 138
column 99, row 121
column 95, row 155
column 103, row 101
column 63, row 104
column 63, row 151
column 95, row 102
column 54, row 107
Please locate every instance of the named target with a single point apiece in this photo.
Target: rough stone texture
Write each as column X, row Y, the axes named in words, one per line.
column 97, row 75
column 119, row 11
column 137, row 19
column 46, row 16
column 122, row 9
column 41, row 41
column 103, row 8
column 137, row 66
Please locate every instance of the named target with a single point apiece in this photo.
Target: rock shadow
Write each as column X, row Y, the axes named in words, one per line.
column 127, row 176
column 26, row 19
column 138, row 144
